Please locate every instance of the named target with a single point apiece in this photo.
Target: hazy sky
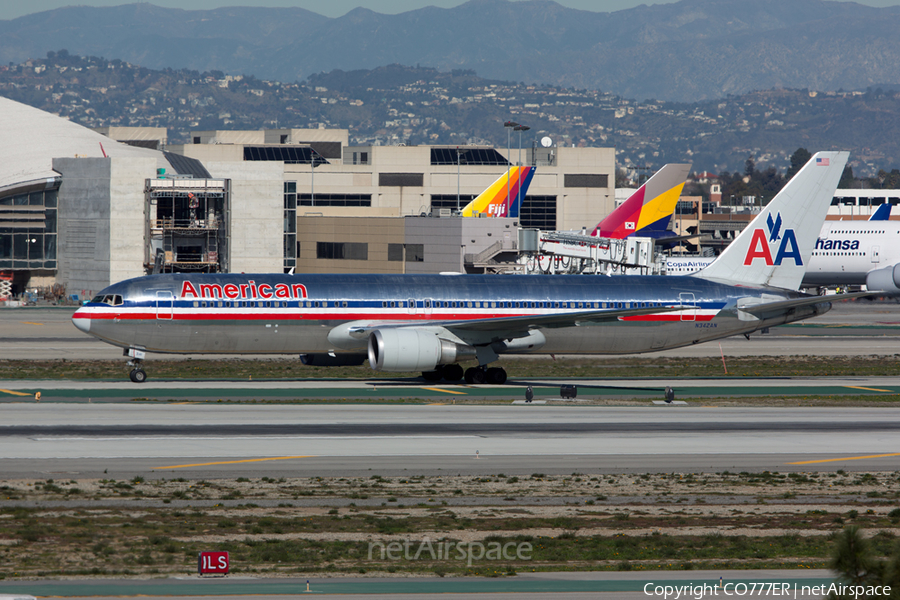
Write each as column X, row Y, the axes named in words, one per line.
column 10, row 9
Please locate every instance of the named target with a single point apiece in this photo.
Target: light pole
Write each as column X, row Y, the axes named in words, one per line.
column 520, row 129
column 458, row 155
column 508, row 125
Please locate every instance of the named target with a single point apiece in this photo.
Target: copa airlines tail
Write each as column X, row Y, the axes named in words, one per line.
column 775, row 249
column 431, row 323
column 505, row 193
column 647, row 211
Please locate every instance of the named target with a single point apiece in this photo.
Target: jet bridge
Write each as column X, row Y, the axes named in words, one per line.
column 555, row 252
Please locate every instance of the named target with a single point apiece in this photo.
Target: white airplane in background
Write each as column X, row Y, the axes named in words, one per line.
column 846, row 253
column 431, row 323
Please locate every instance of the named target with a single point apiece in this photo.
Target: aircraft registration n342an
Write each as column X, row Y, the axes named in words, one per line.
column 431, row 323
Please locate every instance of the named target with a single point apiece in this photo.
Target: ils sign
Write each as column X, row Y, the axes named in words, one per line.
column 213, row 563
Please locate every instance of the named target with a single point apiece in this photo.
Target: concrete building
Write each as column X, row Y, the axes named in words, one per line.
column 81, row 209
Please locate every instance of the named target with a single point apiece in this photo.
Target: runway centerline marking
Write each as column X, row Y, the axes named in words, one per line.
column 445, row 391
column 859, row 387
column 235, row 462
column 15, row 393
column 812, row 462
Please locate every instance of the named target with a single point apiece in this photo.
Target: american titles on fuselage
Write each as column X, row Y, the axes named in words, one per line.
column 242, row 291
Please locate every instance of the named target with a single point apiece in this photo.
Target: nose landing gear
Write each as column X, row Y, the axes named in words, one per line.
column 137, row 375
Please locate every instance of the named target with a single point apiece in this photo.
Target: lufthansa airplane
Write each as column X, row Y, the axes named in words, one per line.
column 430, row 323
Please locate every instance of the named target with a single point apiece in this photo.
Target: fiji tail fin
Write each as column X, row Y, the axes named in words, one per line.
column 507, row 191
column 883, row 213
column 649, row 209
column 776, row 246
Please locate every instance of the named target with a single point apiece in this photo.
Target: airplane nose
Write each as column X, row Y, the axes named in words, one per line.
column 82, row 321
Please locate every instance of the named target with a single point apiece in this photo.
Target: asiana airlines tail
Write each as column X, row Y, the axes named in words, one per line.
column 436, row 323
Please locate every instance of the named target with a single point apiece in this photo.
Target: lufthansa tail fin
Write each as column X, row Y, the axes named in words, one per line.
column 649, row 209
column 883, row 213
column 776, row 246
column 501, row 198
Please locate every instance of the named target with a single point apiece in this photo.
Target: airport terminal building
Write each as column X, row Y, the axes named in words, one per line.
column 81, row 209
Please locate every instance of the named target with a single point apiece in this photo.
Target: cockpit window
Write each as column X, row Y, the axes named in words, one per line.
column 110, row 299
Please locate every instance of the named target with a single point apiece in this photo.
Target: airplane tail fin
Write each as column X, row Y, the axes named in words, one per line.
column 505, row 192
column 883, row 213
column 776, row 246
column 650, row 208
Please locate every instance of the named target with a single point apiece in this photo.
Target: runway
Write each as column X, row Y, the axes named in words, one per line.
column 205, row 441
column 387, row 389
column 196, row 428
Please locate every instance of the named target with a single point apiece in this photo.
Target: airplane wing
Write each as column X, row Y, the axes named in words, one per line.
column 761, row 310
column 501, row 327
column 555, row 320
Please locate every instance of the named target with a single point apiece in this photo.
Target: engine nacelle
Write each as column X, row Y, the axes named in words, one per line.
column 412, row 350
column 336, row 360
column 886, row 280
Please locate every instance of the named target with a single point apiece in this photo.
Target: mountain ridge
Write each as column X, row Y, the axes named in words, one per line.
column 682, row 51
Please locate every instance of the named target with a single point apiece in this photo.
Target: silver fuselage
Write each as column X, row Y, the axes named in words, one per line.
column 293, row 314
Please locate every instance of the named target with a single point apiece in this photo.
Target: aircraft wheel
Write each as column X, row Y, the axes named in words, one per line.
column 138, row 375
column 433, row 375
column 475, row 375
column 453, row 373
column 495, row 376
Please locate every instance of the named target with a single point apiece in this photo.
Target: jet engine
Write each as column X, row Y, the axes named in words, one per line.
column 886, row 279
column 333, row 360
column 412, row 350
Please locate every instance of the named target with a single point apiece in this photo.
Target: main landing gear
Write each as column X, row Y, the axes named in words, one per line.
column 493, row 375
column 445, row 372
column 454, row 373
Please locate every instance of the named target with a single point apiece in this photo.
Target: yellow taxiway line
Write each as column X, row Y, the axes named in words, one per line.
column 234, row 462
column 445, row 391
column 859, row 387
column 30, row 323
column 812, row 462
column 15, row 393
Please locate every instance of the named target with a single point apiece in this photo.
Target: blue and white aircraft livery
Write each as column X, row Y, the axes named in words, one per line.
column 431, row 323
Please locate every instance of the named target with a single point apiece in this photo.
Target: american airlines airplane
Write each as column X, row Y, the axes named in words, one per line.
column 430, row 323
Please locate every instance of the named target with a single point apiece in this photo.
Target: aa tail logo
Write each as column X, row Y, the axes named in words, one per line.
column 760, row 245
column 774, row 227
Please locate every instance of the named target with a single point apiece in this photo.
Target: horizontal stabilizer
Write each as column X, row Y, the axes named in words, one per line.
column 769, row 308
